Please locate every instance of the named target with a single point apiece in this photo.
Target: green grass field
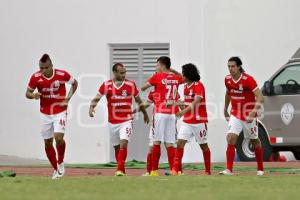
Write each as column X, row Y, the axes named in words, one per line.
column 164, row 188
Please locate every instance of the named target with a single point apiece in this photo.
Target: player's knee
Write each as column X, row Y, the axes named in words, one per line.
column 232, row 138
column 204, row 147
column 181, row 143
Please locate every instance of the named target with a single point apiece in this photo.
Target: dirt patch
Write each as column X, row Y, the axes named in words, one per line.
column 77, row 172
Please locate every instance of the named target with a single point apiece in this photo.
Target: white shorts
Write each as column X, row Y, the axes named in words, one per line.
column 236, row 126
column 188, row 131
column 120, row 131
column 51, row 124
column 165, row 128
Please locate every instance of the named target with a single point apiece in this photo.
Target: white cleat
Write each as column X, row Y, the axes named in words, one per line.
column 260, row 173
column 55, row 175
column 61, row 170
column 226, row 172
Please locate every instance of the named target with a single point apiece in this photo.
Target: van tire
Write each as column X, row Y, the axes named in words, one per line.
column 296, row 152
column 244, row 147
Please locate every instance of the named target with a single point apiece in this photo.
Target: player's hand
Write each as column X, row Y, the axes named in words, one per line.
column 170, row 103
column 37, row 95
column 92, row 112
column 134, row 111
column 251, row 117
column 226, row 115
column 179, row 114
column 64, row 103
column 146, row 119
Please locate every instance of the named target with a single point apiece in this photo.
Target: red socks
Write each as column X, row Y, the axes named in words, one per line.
column 230, row 153
column 60, row 152
column 178, row 160
column 149, row 162
column 259, row 158
column 155, row 157
column 51, row 154
column 171, row 155
column 121, row 159
column 207, row 163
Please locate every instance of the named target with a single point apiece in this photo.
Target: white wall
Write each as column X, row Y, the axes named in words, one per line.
column 76, row 34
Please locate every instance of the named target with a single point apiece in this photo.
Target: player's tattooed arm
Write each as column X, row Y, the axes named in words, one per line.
column 189, row 108
column 93, row 105
column 70, row 94
column 226, row 104
column 259, row 101
column 142, row 108
column 30, row 94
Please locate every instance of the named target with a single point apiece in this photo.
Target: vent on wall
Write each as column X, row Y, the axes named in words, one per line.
column 138, row 58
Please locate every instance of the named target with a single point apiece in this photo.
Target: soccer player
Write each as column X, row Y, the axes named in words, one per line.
column 166, row 85
column 119, row 92
column 51, row 90
column 151, row 99
column 245, row 98
column 194, row 118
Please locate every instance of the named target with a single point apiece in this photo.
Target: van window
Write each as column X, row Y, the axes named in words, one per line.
column 288, row 81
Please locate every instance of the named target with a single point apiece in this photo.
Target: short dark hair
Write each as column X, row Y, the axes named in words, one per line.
column 45, row 58
column 165, row 60
column 191, row 72
column 115, row 66
column 238, row 62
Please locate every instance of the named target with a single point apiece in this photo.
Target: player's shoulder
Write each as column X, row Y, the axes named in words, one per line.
column 129, row 82
column 247, row 76
column 108, row 82
column 228, row 77
column 60, row 72
column 37, row 74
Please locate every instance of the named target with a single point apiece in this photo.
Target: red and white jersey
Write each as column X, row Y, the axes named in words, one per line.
column 153, row 96
column 241, row 95
column 53, row 90
column 119, row 100
column 166, row 90
column 198, row 114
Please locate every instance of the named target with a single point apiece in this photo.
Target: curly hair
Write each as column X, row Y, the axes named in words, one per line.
column 191, row 72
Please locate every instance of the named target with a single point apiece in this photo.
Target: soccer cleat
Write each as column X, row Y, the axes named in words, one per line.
column 154, row 173
column 119, row 173
column 61, row 170
column 55, row 175
column 226, row 172
column 180, row 173
column 146, row 174
column 173, row 173
column 208, row 173
column 260, row 173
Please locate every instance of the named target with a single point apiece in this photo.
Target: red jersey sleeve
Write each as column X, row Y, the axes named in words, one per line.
column 32, row 82
column 199, row 90
column 103, row 89
column 251, row 83
column 67, row 77
column 153, row 80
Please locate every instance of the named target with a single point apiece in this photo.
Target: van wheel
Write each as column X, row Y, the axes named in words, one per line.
column 245, row 150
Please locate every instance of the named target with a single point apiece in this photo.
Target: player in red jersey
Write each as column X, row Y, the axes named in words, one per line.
column 245, row 98
column 194, row 118
column 165, row 84
column 51, row 90
column 152, row 97
column 119, row 93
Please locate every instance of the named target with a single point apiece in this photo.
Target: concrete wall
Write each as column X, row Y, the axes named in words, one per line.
column 76, row 34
